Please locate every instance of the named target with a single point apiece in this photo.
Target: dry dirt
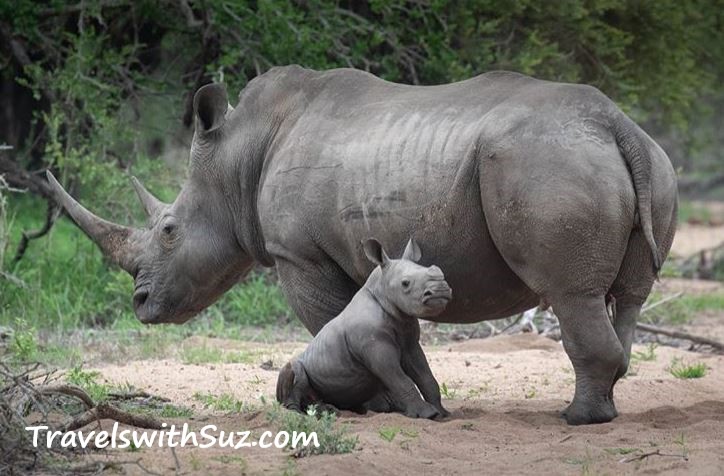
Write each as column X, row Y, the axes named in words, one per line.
column 691, row 238
column 505, row 396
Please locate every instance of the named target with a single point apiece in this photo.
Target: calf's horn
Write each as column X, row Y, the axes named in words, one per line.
column 151, row 204
column 112, row 239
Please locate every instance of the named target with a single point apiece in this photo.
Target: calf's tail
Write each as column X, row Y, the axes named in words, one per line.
column 285, row 383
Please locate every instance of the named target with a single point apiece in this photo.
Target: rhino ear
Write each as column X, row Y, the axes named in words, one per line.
column 210, row 106
column 375, row 252
column 412, row 251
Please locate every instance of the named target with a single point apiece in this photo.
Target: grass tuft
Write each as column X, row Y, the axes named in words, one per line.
column 447, row 392
column 88, row 381
column 214, row 355
column 224, row 402
column 681, row 370
column 646, row 355
column 332, row 438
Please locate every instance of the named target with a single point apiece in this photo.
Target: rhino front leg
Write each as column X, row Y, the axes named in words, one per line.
column 415, row 364
column 316, row 291
column 596, row 354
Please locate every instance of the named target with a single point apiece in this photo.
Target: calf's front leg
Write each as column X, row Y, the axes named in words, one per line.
column 382, row 358
column 415, row 364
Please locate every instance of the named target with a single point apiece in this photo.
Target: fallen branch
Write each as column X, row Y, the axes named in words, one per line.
column 69, row 390
column 139, row 394
column 97, row 412
column 107, row 411
column 680, row 335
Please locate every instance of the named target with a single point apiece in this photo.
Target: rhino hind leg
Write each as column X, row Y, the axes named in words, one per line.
column 596, row 354
column 636, row 278
column 382, row 402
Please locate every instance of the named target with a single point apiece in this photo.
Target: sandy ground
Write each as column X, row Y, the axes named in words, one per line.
column 692, row 238
column 505, row 396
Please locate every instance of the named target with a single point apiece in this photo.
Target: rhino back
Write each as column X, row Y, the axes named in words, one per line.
column 364, row 157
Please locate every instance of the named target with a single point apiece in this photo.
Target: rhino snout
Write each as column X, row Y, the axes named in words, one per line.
column 146, row 311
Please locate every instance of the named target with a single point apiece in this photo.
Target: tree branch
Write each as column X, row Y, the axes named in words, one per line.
column 681, row 335
column 51, row 215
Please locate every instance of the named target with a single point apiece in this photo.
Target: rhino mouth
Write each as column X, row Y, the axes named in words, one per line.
column 438, row 301
column 437, row 298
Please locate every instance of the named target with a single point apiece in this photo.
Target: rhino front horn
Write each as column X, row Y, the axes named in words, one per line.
column 112, row 239
column 151, row 204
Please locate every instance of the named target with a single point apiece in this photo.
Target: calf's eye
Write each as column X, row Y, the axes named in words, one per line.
column 405, row 283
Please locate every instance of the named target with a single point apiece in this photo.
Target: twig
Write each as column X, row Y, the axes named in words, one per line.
column 99, row 466
column 13, row 279
column 652, row 453
column 139, row 394
column 680, row 335
column 51, row 215
column 176, row 462
column 661, row 301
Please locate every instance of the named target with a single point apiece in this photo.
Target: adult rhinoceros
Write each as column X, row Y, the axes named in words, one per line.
column 521, row 190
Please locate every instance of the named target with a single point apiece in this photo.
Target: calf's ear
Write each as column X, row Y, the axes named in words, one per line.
column 412, row 251
column 210, row 106
column 375, row 252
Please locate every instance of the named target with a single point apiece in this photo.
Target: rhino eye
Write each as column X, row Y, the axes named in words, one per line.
column 405, row 283
column 168, row 229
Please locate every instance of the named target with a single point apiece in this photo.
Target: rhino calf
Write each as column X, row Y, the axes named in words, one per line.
column 369, row 356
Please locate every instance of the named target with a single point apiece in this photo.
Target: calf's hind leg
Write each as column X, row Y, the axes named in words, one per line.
column 293, row 389
column 596, row 354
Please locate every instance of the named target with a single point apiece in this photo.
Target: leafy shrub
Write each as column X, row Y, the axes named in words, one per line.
column 333, row 439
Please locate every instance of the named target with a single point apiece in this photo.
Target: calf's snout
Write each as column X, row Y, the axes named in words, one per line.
column 437, row 289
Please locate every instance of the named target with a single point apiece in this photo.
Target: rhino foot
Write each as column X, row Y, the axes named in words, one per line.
column 442, row 412
column 581, row 412
column 326, row 408
column 422, row 410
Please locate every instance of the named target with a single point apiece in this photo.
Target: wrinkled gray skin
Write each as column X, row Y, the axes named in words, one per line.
column 369, row 357
column 522, row 190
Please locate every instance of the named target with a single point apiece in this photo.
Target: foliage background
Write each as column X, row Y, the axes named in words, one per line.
column 100, row 89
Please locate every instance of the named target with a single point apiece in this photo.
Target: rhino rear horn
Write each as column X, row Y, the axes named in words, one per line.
column 112, row 239
column 151, row 204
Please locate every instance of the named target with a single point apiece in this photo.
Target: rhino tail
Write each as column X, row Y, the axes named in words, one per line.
column 635, row 151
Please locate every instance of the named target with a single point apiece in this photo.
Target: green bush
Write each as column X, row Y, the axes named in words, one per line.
column 258, row 301
column 333, row 439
